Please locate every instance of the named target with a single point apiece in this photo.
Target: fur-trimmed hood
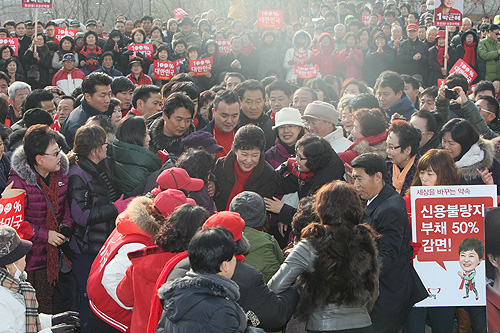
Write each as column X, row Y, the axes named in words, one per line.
column 479, row 156
column 20, row 165
column 136, row 219
column 305, row 34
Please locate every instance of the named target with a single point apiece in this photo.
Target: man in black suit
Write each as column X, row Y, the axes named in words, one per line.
column 400, row 286
column 24, row 41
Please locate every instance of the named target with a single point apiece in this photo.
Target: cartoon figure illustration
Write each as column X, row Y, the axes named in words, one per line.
column 471, row 252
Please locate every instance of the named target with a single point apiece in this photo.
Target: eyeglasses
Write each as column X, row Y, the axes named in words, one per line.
column 299, row 157
column 392, row 148
column 54, row 154
column 312, row 122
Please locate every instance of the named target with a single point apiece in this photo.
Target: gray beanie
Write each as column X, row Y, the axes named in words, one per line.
column 251, row 208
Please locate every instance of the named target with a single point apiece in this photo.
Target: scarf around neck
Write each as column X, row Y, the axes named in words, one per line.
column 398, row 176
column 241, row 180
column 26, row 289
column 292, row 165
column 470, row 53
column 440, row 58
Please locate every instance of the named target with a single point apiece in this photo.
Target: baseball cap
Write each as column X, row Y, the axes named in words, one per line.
column 167, row 201
column 178, row 178
column 322, row 111
column 412, row 27
column 68, row 56
column 232, row 221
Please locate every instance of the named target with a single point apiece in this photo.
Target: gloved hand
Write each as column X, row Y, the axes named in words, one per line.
column 68, row 317
column 62, row 328
column 128, row 52
column 121, row 204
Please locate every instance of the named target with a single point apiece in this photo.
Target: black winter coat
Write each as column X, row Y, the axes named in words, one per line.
column 400, row 287
column 407, row 49
column 91, row 204
column 262, row 180
column 290, row 183
column 265, row 123
column 272, row 310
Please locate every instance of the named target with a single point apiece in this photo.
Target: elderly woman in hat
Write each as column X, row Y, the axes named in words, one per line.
column 289, row 128
column 18, row 304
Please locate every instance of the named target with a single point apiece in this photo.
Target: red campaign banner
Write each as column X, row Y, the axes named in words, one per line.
column 61, row 32
column 145, row 49
column 442, row 225
column 164, row 70
column 462, row 67
column 201, row 66
column 36, row 4
column 12, row 211
column 306, row 72
column 224, row 46
column 447, row 17
column 270, row 18
column 179, row 12
column 12, row 42
column 300, row 58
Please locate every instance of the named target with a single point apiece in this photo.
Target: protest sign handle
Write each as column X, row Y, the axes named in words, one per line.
column 445, row 48
column 36, row 28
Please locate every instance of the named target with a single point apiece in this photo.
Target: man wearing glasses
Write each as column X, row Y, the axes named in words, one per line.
column 488, row 107
column 489, row 50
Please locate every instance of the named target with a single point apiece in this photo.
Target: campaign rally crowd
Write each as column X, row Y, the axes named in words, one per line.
column 267, row 190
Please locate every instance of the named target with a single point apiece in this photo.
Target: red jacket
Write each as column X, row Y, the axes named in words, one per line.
column 326, row 58
column 143, row 79
column 137, row 287
column 101, row 303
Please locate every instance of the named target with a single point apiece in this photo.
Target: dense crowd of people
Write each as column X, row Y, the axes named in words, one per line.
column 249, row 198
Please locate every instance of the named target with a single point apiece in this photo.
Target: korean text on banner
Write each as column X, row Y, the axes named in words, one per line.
column 201, row 66
column 12, row 211
column 445, row 221
column 270, row 18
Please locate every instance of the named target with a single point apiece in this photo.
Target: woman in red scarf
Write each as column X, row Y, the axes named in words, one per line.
column 436, row 60
column 244, row 168
column 467, row 49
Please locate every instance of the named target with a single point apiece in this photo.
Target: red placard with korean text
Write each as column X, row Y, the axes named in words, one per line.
column 164, row 70
column 12, row 211
column 145, row 49
column 179, row 12
column 306, row 72
column 443, row 218
column 462, row 67
column 36, row 4
column 270, row 18
column 12, row 42
column 201, row 66
column 300, row 58
column 59, row 33
column 224, row 46
column 366, row 19
column 445, row 16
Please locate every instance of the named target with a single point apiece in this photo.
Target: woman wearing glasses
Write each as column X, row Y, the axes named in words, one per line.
column 314, row 165
column 402, row 154
column 39, row 168
column 94, row 205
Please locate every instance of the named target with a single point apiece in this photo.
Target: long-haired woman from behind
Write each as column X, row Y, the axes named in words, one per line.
column 337, row 250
